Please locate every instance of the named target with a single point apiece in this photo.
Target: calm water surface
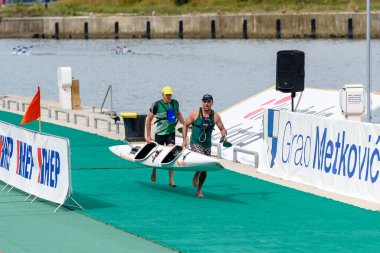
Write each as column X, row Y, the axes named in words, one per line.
column 230, row 70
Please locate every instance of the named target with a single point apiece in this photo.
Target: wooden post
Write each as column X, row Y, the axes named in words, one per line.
column 75, row 95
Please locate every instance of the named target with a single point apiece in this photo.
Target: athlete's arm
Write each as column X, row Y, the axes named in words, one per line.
column 149, row 119
column 219, row 123
column 186, row 124
column 180, row 118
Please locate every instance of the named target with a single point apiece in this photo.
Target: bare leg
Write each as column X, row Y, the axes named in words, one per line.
column 202, row 179
column 195, row 179
column 171, row 180
column 153, row 176
column 171, row 173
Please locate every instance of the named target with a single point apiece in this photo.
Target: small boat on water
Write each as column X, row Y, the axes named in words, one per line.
column 122, row 51
column 21, row 50
column 167, row 158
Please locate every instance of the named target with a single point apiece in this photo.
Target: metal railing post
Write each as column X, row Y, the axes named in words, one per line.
column 218, row 148
column 246, row 151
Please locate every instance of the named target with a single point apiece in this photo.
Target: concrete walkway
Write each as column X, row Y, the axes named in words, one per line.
column 51, row 112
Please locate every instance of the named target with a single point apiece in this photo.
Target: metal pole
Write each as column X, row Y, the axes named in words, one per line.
column 368, row 37
column 111, row 100
column 105, row 97
column 293, row 96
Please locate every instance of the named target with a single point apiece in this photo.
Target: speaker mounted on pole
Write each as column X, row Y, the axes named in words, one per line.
column 290, row 72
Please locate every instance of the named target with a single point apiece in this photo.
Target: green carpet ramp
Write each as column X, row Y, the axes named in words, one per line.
column 238, row 214
column 27, row 227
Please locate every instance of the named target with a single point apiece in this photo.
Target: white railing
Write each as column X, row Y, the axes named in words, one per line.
column 246, row 151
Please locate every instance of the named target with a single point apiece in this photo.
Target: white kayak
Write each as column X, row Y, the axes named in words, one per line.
column 20, row 53
column 167, row 158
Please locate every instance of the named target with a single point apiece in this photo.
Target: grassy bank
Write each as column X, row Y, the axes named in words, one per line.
column 162, row 7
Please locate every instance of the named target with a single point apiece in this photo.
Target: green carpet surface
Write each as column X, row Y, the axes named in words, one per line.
column 33, row 227
column 238, row 214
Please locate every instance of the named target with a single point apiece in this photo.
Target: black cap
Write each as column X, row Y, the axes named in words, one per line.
column 207, row 97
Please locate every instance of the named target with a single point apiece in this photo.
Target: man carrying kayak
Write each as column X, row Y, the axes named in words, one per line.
column 203, row 121
column 168, row 114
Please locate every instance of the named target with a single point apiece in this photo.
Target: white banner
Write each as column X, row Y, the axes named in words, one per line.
column 335, row 155
column 38, row 164
column 244, row 121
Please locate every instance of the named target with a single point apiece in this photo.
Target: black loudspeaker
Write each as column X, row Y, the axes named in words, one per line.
column 290, row 74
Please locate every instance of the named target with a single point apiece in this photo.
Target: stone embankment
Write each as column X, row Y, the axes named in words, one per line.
column 205, row 26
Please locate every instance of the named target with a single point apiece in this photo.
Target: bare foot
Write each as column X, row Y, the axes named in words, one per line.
column 199, row 194
column 153, row 176
column 195, row 181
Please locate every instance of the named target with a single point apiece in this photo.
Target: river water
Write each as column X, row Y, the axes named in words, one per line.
column 230, row 70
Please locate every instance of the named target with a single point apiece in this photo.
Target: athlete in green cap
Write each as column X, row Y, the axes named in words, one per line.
column 167, row 114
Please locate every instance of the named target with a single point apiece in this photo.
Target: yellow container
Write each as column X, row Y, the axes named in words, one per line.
column 128, row 115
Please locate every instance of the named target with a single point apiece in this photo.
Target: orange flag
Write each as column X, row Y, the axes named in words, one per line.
column 34, row 109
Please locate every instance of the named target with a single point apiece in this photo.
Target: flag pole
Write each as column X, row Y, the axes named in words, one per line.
column 39, row 124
